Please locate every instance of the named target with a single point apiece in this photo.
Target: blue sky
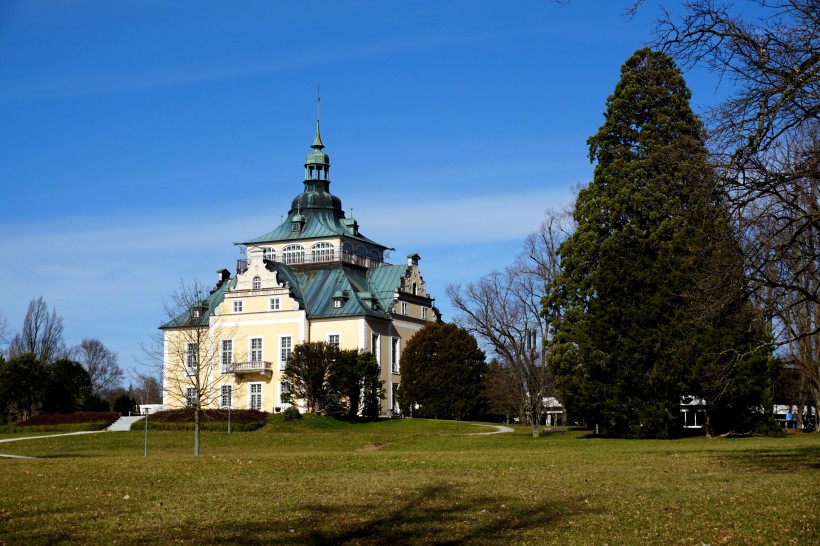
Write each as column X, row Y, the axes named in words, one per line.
column 140, row 139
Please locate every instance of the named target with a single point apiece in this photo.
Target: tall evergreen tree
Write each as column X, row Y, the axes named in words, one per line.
column 650, row 304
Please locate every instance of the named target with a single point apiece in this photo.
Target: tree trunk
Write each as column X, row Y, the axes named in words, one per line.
column 196, row 429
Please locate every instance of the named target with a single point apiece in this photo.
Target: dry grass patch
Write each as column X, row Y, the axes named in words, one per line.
column 318, row 481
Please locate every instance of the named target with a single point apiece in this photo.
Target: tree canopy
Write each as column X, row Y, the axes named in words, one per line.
column 332, row 381
column 650, row 305
column 443, row 373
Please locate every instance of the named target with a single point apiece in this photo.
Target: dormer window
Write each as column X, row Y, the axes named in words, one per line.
column 297, row 223
column 257, row 283
column 339, row 298
column 198, row 310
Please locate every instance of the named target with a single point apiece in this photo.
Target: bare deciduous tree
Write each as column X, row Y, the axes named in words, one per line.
column 101, row 365
column 784, row 245
column 5, row 333
column 42, row 334
column 772, row 57
column 189, row 354
column 503, row 309
column 146, row 388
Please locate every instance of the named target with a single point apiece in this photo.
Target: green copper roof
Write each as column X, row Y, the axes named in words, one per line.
column 364, row 294
column 208, row 305
column 319, row 210
column 317, row 157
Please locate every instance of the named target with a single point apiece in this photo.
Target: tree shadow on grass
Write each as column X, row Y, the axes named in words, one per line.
column 435, row 514
column 792, row 459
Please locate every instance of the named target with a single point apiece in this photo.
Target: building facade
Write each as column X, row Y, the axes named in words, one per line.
column 315, row 277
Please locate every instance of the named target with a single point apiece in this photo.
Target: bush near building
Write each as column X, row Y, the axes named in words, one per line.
column 243, row 420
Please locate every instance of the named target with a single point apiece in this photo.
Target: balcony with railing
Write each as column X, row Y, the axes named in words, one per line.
column 253, row 366
column 306, row 259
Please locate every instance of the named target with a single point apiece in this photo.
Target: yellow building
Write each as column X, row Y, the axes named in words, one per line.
column 315, row 277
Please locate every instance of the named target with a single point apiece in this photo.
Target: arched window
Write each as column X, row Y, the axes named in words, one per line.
column 257, row 283
column 293, row 254
column 375, row 255
column 322, row 252
column 347, row 248
column 269, row 254
column 361, row 251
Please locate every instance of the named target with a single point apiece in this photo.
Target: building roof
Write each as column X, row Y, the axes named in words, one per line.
column 214, row 299
column 364, row 292
column 317, row 224
column 318, row 212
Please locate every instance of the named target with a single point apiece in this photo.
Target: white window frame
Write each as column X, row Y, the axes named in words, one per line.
column 403, row 307
column 253, row 352
column 424, row 311
column 257, row 282
column 252, row 396
column 226, row 390
column 293, row 254
column 283, row 356
column 238, row 306
column 322, row 252
column 375, row 342
column 274, row 304
column 190, row 397
column 269, row 253
column 191, row 358
column 337, row 343
column 225, row 356
column 284, row 388
column 395, row 352
column 338, row 303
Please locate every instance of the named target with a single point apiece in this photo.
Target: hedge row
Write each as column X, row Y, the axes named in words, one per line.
column 209, row 415
column 51, row 419
column 209, row 420
column 68, row 427
column 209, row 426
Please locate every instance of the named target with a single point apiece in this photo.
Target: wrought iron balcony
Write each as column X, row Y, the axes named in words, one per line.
column 254, row 366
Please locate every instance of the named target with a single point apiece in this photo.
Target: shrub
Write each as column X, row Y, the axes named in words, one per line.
column 68, row 427
column 210, row 420
column 291, row 414
column 52, row 419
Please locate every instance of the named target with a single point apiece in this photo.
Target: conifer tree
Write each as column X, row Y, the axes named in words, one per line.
column 650, row 305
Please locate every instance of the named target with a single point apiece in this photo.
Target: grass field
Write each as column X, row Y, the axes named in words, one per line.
column 319, row 481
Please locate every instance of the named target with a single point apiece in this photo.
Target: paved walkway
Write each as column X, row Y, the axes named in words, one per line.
column 123, row 423
column 500, row 429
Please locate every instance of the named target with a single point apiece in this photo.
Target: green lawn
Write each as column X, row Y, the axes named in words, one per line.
column 408, row 481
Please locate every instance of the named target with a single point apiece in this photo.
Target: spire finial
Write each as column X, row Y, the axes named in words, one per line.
column 317, row 141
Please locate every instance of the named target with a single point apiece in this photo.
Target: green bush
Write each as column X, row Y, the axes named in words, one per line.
column 291, row 414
